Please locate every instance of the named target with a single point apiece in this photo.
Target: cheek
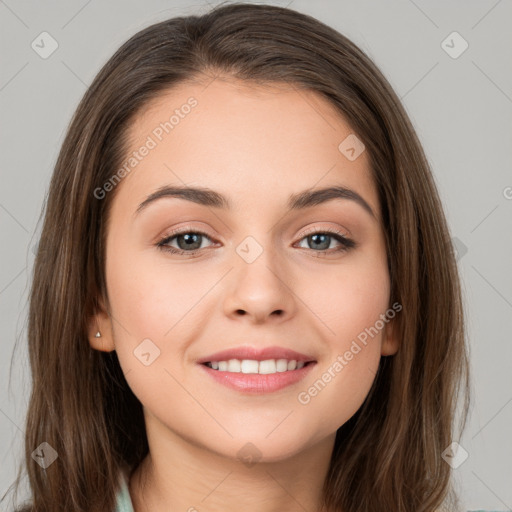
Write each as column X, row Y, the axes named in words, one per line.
column 149, row 297
column 157, row 310
column 151, row 308
column 351, row 300
column 351, row 307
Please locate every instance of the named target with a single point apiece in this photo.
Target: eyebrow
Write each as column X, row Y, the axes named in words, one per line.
column 299, row 201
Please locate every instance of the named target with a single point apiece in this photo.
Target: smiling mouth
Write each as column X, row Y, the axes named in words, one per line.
column 252, row 366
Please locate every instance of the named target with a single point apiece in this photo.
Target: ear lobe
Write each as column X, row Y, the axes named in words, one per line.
column 100, row 323
column 390, row 342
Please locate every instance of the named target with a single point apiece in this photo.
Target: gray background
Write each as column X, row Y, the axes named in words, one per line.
column 461, row 108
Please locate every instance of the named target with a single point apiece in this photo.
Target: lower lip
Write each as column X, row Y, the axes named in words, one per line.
column 257, row 383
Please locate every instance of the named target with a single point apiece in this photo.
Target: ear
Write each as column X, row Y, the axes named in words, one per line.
column 390, row 342
column 100, row 322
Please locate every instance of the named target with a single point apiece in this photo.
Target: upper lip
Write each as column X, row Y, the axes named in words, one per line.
column 258, row 354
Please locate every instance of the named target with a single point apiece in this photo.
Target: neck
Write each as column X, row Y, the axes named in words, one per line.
column 187, row 477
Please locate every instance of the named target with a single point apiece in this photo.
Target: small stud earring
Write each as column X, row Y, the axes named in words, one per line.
column 98, row 335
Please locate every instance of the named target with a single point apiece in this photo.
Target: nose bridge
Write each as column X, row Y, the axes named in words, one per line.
column 260, row 286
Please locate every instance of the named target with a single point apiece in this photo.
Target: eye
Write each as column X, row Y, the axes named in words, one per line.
column 188, row 240
column 321, row 239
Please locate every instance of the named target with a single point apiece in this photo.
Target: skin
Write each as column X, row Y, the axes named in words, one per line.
column 256, row 145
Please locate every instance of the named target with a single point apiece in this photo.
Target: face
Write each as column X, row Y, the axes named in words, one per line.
column 192, row 275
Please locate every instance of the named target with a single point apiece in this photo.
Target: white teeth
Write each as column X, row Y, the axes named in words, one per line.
column 281, row 365
column 234, row 365
column 266, row 367
column 249, row 366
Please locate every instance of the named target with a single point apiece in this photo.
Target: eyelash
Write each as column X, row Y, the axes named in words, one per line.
column 346, row 243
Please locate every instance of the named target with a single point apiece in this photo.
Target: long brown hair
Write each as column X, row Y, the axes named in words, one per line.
column 388, row 455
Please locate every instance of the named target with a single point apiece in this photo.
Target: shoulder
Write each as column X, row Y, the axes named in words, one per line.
column 123, row 500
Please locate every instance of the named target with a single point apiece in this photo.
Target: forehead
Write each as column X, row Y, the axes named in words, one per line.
column 245, row 140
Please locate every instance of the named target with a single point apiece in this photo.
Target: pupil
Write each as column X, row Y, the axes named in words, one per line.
column 326, row 237
column 190, row 239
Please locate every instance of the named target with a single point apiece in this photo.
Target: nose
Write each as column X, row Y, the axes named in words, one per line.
column 260, row 290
